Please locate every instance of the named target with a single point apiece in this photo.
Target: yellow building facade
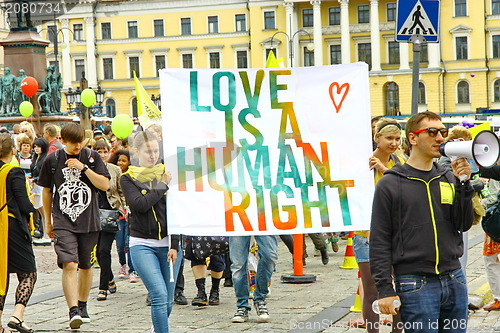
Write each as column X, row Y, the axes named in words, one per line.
column 109, row 39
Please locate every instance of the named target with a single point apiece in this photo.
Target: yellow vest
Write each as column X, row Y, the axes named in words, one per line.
column 4, row 228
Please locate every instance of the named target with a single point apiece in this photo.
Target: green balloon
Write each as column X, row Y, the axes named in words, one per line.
column 122, row 126
column 88, row 97
column 26, row 108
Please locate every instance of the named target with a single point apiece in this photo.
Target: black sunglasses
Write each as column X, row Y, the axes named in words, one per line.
column 432, row 131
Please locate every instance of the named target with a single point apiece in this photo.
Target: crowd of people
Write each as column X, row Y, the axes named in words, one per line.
column 81, row 190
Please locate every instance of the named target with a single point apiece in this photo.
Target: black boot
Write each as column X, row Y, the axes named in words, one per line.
column 214, row 292
column 324, row 257
column 201, row 297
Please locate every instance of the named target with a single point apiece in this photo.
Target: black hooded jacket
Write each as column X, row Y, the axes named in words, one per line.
column 417, row 220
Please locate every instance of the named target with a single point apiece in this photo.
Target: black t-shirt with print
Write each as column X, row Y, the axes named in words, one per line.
column 75, row 204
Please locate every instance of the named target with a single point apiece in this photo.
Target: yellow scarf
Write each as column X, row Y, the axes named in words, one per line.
column 4, row 228
column 146, row 175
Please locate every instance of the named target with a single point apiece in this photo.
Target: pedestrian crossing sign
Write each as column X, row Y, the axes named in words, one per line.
column 417, row 17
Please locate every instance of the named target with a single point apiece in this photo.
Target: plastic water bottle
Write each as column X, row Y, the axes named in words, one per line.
column 376, row 308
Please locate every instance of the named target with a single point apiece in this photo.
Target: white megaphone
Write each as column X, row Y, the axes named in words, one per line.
column 484, row 149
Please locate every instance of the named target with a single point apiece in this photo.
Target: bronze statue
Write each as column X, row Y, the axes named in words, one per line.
column 7, row 82
column 50, row 99
column 18, row 95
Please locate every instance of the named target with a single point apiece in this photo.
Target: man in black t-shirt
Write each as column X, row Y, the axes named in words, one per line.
column 75, row 174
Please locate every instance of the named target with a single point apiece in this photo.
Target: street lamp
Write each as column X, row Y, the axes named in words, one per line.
column 74, row 97
column 55, row 31
column 310, row 45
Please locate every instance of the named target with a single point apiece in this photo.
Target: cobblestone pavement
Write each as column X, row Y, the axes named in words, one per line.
column 322, row 306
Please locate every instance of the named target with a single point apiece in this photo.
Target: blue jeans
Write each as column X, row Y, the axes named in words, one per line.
column 154, row 270
column 122, row 245
column 433, row 303
column 268, row 256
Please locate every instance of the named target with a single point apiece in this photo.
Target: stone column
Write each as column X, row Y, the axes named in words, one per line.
column 375, row 35
column 345, row 36
column 65, row 69
column 434, row 55
column 318, row 34
column 91, row 70
column 404, row 59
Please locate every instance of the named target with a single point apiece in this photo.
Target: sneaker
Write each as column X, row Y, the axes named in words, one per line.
column 133, row 277
column 75, row 320
column 180, row 299
column 42, row 242
column 493, row 306
column 214, row 297
column 122, row 272
column 200, row 299
column 261, row 309
column 240, row 316
column 84, row 314
column 335, row 247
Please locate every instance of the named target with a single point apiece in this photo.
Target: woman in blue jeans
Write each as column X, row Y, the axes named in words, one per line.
column 152, row 249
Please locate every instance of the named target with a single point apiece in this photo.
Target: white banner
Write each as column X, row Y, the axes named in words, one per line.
column 267, row 151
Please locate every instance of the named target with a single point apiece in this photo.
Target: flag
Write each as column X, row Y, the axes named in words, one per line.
column 146, row 109
column 272, row 62
column 479, row 128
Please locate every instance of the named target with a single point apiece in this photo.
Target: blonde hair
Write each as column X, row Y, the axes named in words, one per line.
column 27, row 126
column 459, row 132
column 23, row 138
column 383, row 127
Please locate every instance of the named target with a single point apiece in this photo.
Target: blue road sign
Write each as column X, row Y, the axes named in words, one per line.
column 417, row 17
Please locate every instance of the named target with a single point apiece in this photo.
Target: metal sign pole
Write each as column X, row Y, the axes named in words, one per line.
column 417, row 41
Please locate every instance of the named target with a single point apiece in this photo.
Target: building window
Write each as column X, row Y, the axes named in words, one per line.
column 106, row 30
column 107, row 66
column 460, row 7
column 364, row 14
column 365, row 53
column 214, row 59
column 132, row 29
column 269, row 20
column 269, row 50
column 496, row 46
column 307, row 18
column 393, row 53
column 134, row 66
column 392, row 99
column 133, row 103
column 424, row 54
column 421, row 93
column 461, row 48
column 160, row 64
column 463, row 92
column 186, row 26
column 495, row 7
column 159, row 29
column 334, row 15
column 308, row 57
column 241, row 59
column 496, row 91
column 78, row 31
column 240, row 22
column 52, row 33
column 187, row 60
column 335, row 55
column 79, row 69
column 111, row 108
column 391, row 12
column 213, row 24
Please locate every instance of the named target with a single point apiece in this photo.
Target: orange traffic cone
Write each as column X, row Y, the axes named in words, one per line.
column 349, row 259
column 357, row 307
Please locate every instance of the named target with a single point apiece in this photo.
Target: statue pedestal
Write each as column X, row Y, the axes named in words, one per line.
column 26, row 50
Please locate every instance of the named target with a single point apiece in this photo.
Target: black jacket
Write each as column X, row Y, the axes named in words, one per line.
column 148, row 210
column 416, row 222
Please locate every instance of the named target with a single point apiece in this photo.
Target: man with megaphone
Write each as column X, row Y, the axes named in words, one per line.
column 420, row 210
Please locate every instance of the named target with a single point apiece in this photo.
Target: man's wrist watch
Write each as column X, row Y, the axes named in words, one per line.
column 85, row 168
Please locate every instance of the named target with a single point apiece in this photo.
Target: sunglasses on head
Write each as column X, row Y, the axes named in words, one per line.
column 432, row 131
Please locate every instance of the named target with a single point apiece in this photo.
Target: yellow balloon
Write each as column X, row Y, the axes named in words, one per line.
column 26, row 108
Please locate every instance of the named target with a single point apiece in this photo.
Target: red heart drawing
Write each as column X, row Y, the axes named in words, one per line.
column 339, row 94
